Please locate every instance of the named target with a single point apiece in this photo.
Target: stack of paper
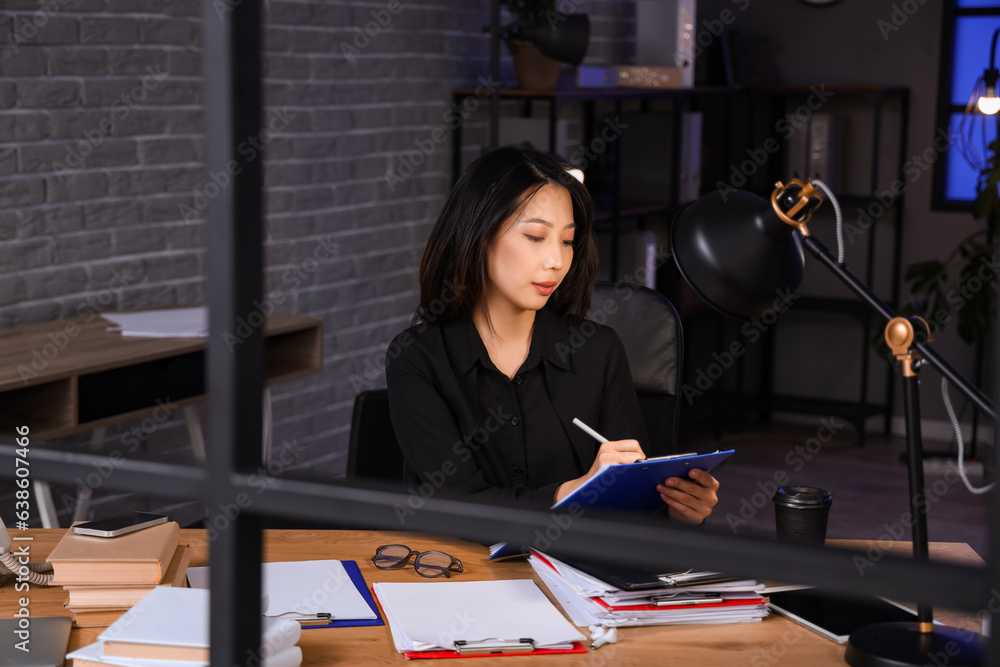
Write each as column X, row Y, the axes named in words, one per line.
column 168, row 323
column 591, row 601
column 316, row 593
column 170, row 628
column 105, row 576
column 434, row 618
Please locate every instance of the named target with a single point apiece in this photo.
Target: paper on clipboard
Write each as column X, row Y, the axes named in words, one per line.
column 632, row 486
column 430, row 616
column 304, row 587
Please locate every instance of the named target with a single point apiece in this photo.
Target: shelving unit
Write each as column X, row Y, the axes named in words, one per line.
column 735, row 119
column 875, row 99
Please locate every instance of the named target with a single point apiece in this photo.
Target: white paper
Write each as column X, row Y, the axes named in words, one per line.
column 304, row 587
column 432, row 615
column 290, row 657
column 167, row 323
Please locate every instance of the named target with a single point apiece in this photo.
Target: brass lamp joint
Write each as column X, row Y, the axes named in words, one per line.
column 900, row 335
column 795, row 203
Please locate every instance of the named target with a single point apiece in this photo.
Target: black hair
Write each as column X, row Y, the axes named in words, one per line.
column 453, row 275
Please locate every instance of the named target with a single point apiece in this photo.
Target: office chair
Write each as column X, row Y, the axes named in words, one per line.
column 650, row 330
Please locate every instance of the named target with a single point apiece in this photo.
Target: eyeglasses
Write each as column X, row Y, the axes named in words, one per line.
column 426, row 563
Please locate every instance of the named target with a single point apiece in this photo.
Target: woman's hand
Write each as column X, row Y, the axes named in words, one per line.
column 616, row 451
column 690, row 501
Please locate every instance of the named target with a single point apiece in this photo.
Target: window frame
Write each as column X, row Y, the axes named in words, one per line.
column 945, row 108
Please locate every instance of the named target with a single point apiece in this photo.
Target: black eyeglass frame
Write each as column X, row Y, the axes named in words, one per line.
column 413, row 558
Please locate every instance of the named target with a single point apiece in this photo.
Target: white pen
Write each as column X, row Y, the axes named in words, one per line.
column 589, row 431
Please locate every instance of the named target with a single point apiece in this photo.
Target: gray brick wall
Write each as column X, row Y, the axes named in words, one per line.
column 102, row 179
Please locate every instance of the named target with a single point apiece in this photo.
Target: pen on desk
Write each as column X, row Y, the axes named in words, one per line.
column 589, row 431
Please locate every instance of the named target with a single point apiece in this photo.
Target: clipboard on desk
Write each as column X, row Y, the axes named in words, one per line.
column 499, row 618
column 198, row 578
column 631, row 487
column 351, row 567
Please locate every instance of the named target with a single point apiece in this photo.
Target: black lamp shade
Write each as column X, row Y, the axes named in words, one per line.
column 562, row 37
column 736, row 253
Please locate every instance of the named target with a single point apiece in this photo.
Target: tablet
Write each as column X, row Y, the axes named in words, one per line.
column 833, row 615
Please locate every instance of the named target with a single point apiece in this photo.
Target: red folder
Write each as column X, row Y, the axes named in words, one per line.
column 707, row 605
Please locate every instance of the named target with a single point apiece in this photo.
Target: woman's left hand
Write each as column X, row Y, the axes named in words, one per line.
column 690, row 501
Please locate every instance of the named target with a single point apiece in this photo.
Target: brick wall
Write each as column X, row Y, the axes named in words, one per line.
column 103, row 185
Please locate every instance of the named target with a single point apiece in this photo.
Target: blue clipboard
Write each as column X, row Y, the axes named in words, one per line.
column 631, row 487
column 351, row 567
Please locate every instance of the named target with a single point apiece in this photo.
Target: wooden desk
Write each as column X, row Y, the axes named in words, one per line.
column 70, row 376
column 775, row 641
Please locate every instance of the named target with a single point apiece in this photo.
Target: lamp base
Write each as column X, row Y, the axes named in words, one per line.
column 902, row 645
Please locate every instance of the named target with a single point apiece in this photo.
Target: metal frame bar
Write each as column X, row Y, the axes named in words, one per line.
column 235, row 498
column 233, row 114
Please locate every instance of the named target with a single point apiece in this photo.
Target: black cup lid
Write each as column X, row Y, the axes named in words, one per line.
column 803, row 496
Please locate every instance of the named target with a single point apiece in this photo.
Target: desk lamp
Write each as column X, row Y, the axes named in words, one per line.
column 738, row 251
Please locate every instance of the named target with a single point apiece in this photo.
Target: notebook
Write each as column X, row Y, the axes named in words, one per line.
column 137, row 558
column 173, row 624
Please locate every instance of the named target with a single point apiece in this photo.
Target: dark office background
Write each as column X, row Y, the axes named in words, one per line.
column 103, row 183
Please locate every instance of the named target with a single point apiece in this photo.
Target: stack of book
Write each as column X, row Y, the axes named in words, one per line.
column 598, row 594
column 170, row 628
column 107, row 576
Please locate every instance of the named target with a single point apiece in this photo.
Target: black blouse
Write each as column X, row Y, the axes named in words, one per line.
column 470, row 430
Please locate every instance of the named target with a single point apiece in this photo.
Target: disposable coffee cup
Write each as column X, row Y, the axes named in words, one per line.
column 801, row 513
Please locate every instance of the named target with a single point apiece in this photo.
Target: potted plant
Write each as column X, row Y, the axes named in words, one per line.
column 534, row 70
column 964, row 284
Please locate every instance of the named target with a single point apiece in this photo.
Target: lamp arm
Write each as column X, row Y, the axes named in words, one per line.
column 820, row 252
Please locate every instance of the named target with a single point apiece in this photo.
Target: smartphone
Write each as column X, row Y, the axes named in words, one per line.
column 120, row 524
column 833, row 615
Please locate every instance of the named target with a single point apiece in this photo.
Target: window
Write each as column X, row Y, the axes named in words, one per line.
column 965, row 43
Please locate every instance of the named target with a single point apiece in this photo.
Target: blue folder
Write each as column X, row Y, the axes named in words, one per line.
column 354, row 573
column 631, row 487
column 627, row 487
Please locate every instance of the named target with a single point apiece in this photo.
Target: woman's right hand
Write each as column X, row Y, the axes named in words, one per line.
column 611, row 452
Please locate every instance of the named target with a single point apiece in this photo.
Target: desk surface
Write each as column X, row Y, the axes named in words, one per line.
column 775, row 641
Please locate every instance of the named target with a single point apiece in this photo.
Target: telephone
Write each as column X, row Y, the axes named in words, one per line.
column 31, row 571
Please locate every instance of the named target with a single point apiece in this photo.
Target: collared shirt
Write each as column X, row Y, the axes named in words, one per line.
column 469, row 430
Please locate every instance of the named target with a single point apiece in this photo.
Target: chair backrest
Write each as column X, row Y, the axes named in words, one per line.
column 651, row 333
column 373, row 451
column 650, row 330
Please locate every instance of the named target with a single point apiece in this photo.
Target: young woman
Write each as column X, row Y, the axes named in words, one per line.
column 484, row 392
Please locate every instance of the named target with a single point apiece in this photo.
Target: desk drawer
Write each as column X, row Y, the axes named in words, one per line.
column 140, row 386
